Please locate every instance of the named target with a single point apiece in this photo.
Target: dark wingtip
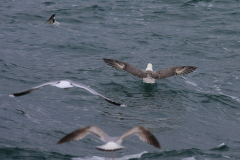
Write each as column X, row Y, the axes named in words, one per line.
column 151, row 138
column 157, row 144
column 113, row 63
column 115, row 103
column 194, row 67
column 188, row 69
column 17, row 94
column 66, row 138
column 107, row 60
column 73, row 135
column 154, row 141
column 110, row 101
column 20, row 93
column 60, row 141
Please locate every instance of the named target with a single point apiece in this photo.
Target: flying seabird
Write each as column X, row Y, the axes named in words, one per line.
column 52, row 20
column 112, row 143
column 149, row 76
column 64, row 84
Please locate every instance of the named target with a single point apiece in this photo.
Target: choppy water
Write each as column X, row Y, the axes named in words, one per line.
column 190, row 115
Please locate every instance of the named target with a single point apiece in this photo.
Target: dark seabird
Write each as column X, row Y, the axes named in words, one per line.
column 64, row 84
column 111, row 143
column 149, row 76
column 52, row 20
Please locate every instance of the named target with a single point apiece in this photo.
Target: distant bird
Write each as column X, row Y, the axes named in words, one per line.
column 52, row 20
column 149, row 76
column 64, row 84
column 112, row 143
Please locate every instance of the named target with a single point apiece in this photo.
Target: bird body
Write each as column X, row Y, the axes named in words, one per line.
column 149, row 76
column 63, row 84
column 149, row 71
column 110, row 146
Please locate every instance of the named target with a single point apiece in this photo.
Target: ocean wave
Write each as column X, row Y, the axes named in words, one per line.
column 104, row 158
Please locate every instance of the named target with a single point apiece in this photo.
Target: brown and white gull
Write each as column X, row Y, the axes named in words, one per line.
column 112, row 143
column 65, row 84
column 149, row 76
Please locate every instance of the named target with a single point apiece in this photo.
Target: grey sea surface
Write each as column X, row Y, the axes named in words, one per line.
column 194, row 117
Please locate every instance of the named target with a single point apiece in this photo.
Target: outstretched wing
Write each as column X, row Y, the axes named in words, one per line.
column 181, row 70
column 94, row 92
column 143, row 134
column 32, row 89
column 126, row 66
column 81, row 133
column 51, row 20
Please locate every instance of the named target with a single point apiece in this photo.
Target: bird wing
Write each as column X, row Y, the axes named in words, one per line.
column 143, row 134
column 81, row 133
column 125, row 66
column 94, row 92
column 181, row 70
column 51, row 20
column 32, row 89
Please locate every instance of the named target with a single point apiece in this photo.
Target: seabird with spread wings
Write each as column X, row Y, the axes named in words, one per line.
column 149, row 76
column 52, row 20
column 64, row 84
column 112, row 143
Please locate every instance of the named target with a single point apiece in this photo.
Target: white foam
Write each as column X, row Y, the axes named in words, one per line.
column 224, row 156
column 220, row 145
column 32, row 119
column 104, row 158
column 123, row 105
column 233, row 97
column 217, row 88
column 219, row 91
column 210, row 5
column 191, row 83
column 225, row 49
column 56, row 23
column 189, row 158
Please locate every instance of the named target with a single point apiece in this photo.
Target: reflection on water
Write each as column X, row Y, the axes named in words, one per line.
column 148, row 89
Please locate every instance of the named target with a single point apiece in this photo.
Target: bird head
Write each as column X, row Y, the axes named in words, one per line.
column 149, row 67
